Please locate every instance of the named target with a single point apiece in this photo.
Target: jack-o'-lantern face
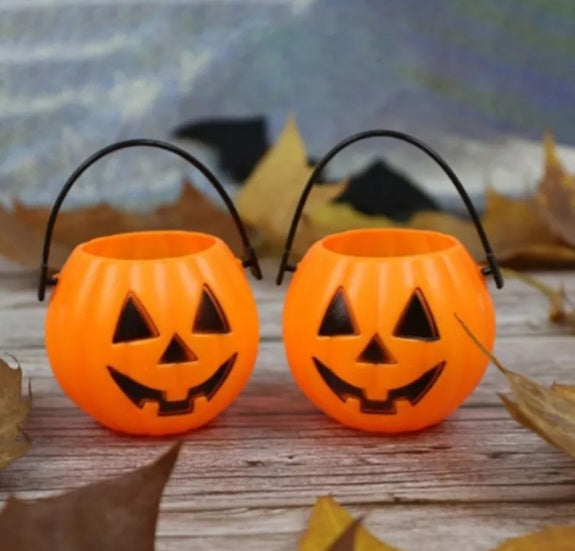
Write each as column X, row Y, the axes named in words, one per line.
column 152, row 332
column 370, row 330
column 416, row 322
column 135, row 325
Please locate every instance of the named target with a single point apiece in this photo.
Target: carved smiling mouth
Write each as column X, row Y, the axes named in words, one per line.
column 412, row 392
column 139, row 394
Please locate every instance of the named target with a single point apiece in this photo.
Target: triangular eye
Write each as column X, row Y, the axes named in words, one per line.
column 134, row 323
column 338, row 319
column 417, row 322
column 210, row 317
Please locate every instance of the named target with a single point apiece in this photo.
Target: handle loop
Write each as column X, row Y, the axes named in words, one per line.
column 493, row 266
column 250, row 260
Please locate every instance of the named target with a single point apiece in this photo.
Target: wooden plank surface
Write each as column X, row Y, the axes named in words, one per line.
column 248, row 480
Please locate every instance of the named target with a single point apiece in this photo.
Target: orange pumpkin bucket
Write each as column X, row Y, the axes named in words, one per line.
column 369, row 321
column 151, row 332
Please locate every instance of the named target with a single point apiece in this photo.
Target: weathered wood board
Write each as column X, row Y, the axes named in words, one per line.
column 248, row 480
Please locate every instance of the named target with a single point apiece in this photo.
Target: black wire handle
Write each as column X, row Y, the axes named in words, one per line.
column 493, row 266
column 250, row 260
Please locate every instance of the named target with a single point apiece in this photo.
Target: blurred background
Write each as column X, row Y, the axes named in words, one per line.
column 480, row 81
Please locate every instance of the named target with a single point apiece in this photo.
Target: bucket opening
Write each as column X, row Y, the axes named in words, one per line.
column 388, row 243
column 153, row 245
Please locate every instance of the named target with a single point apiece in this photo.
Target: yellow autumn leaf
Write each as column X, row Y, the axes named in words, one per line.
column 565, row 390
column 337, row 217
column 328, row 522
column 268, row 198
column 557, row 538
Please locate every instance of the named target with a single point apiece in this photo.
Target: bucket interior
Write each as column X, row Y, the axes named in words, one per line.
column 387, row 243
column 149, row 245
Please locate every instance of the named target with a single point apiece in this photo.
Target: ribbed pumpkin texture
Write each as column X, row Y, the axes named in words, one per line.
column 152, row 332
column 370, row 327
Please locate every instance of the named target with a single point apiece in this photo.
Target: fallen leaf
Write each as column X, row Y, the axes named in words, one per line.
column 73, row 226
column 346, row 541
column 13, row 412
column 556, row 538
column 549, row 412
column 513, row 223
column 556, row 194
column 517, row 232
column 114, row 515
column 566, row 390
column 336, row 217
column 330, row 524
column 269, row 197
column 561, row 307
column 24, row 227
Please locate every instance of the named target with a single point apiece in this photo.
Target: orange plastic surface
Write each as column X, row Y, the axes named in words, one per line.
column 415, row 382
column 173, row 374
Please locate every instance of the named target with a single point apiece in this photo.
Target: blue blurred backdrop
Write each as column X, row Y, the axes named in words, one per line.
column 482, row 80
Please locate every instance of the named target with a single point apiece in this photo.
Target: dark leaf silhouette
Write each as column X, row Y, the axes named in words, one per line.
column 114, row 515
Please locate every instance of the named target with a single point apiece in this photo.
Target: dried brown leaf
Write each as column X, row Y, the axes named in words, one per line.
column 556, row 195
column 514, row 224
column 114, row 515
column 330, row 524
column 518, row 233
column 555, row 538
column 519, row 416
column 73, row 226
column 24, row 227
column 13, row 412
column 549, row 412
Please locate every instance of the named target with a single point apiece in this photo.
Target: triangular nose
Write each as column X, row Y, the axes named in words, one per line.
column 177, row 352
column 376, row 353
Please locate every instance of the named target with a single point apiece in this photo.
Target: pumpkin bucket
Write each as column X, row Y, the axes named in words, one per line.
column 369, row 321
column 151, row 332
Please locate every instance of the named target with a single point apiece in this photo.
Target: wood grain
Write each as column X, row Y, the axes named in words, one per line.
column 414, row 527
column 248, row 480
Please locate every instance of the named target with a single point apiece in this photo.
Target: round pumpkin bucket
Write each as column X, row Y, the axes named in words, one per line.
column 151, row 332
column 370, row 317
